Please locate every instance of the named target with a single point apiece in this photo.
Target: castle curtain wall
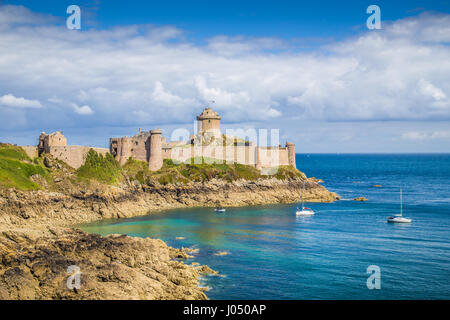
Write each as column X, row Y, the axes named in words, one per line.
column 140, row 147
column 74, row 156
column 229, row 154
column 272, row 157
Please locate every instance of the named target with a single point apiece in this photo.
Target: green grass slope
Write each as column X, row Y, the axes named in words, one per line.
column 16, row 168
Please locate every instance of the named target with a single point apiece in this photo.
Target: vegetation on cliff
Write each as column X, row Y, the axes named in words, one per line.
column 201, row 170
column 16, row 168
column 104, row 169
column 36, row 249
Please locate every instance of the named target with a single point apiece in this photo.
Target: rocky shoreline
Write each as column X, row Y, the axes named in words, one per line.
column 38, row 240
column 101, row 201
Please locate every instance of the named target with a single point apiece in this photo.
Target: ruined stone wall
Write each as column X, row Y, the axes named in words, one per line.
column 115, row 147
column 136, row 147
column 31, row 151
column 55, row 139
column 139, row 147
column 74, row 156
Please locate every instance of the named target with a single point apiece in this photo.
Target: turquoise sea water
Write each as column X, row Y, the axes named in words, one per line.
column 275, row 255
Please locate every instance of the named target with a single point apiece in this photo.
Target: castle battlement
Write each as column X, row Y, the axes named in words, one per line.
column 152, row 147
column 209, row 142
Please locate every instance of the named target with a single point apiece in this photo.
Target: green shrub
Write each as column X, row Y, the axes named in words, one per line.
column 200, row 169
column 289, row 172
column 101, row 168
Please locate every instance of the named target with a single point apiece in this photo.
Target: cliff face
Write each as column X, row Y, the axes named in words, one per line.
column 37, row 247
column 106, row 202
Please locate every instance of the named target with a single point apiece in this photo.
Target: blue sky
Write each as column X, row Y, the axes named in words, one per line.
column 310, row 69
column 207, row 18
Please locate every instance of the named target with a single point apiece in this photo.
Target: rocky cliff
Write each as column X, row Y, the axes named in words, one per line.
column 39, row 240
column 37, row 266
column 101, row 201
column 37, row 247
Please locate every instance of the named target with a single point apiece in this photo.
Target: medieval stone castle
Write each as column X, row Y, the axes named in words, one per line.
column 152, row 147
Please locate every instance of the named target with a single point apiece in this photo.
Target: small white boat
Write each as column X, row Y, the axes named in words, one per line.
column 398, row 218
column 304, row 211
column 219, row 210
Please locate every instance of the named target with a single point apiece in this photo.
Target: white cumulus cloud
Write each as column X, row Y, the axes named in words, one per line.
column 427, row 88
column 142, row 75
column 9, row 100
column 83, row 110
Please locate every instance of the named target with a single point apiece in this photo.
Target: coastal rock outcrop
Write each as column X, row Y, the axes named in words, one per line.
column 38, row 242
column 99, row 201
column 35, row 266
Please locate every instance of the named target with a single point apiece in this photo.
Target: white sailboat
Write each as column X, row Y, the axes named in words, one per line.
column 304, row 211
column 398, row 218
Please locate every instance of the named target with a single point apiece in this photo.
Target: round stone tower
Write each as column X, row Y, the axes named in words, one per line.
column 208, row 121
column 125, row 150
column 258, row 159
column 291, row 153
column 155, row 160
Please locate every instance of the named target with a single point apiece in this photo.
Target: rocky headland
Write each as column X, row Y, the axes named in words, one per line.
column 39, row 239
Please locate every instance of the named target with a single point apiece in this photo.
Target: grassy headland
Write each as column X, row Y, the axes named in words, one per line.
column 19, row 171
column 16, row 168
column 201, row 170
column 41, row 197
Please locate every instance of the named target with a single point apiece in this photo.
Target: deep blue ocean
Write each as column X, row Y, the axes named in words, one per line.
column 272, row 254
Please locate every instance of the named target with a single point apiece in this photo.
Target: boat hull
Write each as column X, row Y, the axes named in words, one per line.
column 304, row 213
column 398, row 220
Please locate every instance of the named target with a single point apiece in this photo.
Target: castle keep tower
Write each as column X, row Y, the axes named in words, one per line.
column 291, row 153
column 209, row 142
column 208, row 121
column 46, row 141
column 155, row 160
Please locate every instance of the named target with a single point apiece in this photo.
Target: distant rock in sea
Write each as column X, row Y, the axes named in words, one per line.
column 360, row 199
column 221, row 253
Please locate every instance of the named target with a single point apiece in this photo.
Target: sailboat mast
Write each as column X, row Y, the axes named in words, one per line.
column 401, row 202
